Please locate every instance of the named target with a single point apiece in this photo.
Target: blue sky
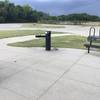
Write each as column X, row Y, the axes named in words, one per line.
column 58, row 7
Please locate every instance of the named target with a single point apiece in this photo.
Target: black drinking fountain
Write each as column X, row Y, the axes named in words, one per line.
column 47, row 37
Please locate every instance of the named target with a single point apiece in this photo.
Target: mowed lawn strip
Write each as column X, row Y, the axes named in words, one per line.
column 16, row 33
column 62, row 42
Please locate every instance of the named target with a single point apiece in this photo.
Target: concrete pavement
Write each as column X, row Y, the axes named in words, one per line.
column 35, row 74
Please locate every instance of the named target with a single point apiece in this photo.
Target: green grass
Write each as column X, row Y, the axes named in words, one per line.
column 16, row 33
column 62, row 42
column 35, row 25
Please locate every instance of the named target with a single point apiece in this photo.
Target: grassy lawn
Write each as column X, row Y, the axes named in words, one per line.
column 62, row 42
column 35, row 25
column 16, row 33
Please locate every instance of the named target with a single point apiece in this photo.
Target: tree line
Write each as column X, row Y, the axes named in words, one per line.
column 11, row 13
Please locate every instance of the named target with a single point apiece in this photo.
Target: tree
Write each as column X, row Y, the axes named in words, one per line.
column 9, row 12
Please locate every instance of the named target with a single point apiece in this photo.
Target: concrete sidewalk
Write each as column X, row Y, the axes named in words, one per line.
column 34, row 74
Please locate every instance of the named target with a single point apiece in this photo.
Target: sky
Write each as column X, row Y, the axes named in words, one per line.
column 59, row 7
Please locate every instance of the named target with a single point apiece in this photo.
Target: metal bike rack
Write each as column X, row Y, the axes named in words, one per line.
column 91, row 38
column 90, row 31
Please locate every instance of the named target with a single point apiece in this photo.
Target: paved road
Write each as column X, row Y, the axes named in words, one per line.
column 10, row 26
